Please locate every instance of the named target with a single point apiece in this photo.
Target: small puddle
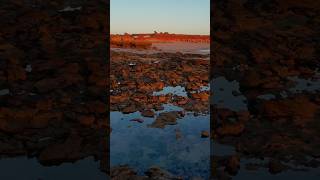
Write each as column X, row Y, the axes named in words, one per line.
column 309, row 85
column 267, row 97
column 226, row 94
column 218, row 149
column 177, row 90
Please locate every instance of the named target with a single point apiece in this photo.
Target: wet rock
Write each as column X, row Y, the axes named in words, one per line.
column 178, row 133
column 233, row 165
column 230, row 129
column 137, row 120
column 223, row 175
column 299, row 109
column 166, row 118
column 205, row 134
column 45, row 104
column 147, row 113
column 158, row 174
column 68, row 151
column 15, row 73
column 41, row 120
column 276, row 167
column 86, row 120
column 124, row 173
column 47, row 85
column 129, row 109
column 158, row 107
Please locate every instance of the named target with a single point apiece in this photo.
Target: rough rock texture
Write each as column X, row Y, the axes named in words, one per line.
column 153, row 173
column 261, row 44
column 53, row 64
column 135, row 77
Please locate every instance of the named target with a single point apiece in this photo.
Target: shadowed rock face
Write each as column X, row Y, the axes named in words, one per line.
column 261, row 45
column 53, row 70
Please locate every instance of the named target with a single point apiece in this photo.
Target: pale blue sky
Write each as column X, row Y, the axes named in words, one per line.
column 173, row 16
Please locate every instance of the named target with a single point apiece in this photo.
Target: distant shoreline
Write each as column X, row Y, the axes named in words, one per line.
column 146, row 41
column 161, row 37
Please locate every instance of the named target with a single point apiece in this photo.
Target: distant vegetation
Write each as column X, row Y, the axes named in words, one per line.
column 144, row 41
column 129, row 42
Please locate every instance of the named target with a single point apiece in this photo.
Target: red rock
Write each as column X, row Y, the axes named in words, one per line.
column 147, row 113
column 233, row 165
column 230, row 129
column 276, row 167
column 186, row 68
column 129, row 109
column 158, row 85
column 166, row 118
column 299, row 109
column 183, row 102
column 137, row 120
column 42, row 119
column 46, row 85
column 243, row 116
column 97, row 107
column 162, row 99
column 16, row 73
column 69, row 150
column 204, row 134
column 118, row 98
column 86, row 120
column 203, row 96
column 44, row 104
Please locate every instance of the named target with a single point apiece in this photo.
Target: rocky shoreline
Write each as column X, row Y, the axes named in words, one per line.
column 262, row 45
column 145, row 83
column 138, row 76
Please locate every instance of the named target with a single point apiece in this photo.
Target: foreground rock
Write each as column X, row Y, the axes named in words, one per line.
column 155, row 173
column 167, row 118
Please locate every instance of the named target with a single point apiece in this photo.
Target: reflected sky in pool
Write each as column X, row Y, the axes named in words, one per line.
column 177, row 90
column 30, row 169
column 226, row 94
column 141, row 147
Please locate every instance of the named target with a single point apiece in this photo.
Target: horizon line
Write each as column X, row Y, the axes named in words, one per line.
column 158, row 33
